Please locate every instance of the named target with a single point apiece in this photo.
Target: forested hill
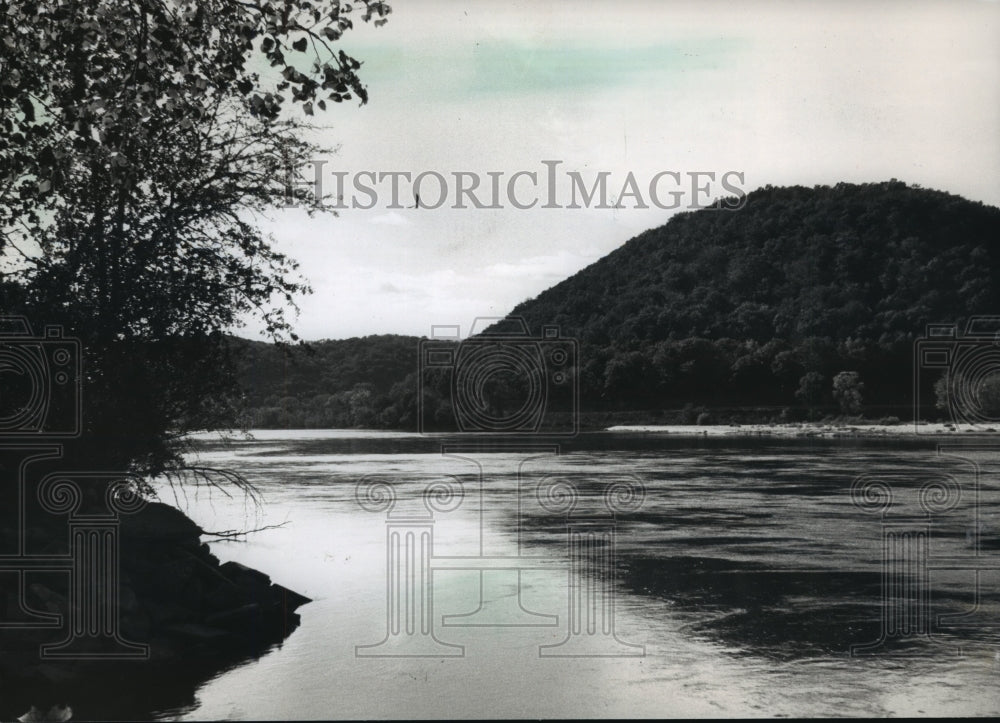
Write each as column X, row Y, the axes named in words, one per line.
column 361, row 382
column 766, row 305
column 762, row 308
column 873, row 262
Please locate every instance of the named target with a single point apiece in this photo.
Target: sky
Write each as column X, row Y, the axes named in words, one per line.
column 801, row 92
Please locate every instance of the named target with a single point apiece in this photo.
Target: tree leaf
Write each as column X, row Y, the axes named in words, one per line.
column 27, row 107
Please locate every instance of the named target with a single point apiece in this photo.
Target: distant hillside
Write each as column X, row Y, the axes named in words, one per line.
column 874, row 262
column 360, row 382
column 715, row 311
column 765, row 305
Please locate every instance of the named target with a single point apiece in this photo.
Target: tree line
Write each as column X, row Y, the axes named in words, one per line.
column 810, row 301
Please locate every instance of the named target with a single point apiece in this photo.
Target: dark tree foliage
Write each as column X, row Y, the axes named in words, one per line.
column 138, row 141
column 368, row 382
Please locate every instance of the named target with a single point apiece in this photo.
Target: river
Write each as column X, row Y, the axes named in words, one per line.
column 613, row 575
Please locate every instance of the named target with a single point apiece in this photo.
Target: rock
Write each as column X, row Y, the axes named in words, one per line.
column 127, row 601
column 224, row 595
column 172, row 577
column 157, row 521
column 258, row 588
column 164, row 649
column 51, row 601
column 205, row 552
column 11, row 662
column 135, row 625
column 289, row 599
column 192, row 594
column 173, row 595
column 253, row 586
column 240, row 619
column 198, row 633
column 244, row 576
column 161, row 613
column 55, row 673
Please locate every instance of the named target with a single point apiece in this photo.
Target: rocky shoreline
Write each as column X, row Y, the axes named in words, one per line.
column 197, row 616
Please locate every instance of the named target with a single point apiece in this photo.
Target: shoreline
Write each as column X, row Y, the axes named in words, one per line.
column 779, row 430
column 815, row 429
column 178, row 608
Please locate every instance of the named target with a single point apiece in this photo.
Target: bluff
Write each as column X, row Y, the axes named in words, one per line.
column 718, row 307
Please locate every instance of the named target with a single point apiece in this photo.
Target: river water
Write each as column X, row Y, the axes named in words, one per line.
column 614, row 575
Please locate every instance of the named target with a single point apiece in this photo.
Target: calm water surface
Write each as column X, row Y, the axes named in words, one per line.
column 737, row 583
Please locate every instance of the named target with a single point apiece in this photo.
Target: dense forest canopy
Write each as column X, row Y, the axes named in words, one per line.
column 806, row 299
column 872, row 262
column 361, row 382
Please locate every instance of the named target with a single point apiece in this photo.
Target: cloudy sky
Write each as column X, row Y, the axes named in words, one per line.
column 799, row 92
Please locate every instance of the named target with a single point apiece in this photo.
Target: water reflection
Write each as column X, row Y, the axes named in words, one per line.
column 747, row 572
column 761, row 546
column 116, row 691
